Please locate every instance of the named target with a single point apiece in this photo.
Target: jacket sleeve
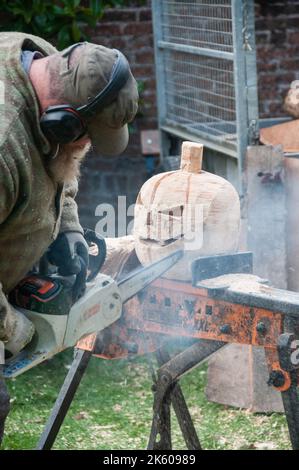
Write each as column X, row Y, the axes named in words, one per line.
column 8, row 194
column 8, row 190
column 6, row 327
column 69, row 217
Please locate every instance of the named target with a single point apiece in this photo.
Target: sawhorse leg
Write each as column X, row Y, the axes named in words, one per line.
column 64, row 399
column 167, row 391
column 290, row 396
column 180, row 407
column 291, row 407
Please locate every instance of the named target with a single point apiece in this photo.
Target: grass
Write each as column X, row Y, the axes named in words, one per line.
column 113, row 407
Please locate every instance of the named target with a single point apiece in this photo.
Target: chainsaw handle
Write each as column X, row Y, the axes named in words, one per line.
column 95, row 261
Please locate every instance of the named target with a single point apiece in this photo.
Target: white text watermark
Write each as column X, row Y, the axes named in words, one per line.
column 156, row 223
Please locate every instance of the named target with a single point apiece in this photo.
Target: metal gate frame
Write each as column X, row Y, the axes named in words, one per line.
column 243, row 58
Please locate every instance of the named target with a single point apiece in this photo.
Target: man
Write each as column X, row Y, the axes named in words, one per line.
column 38, row 174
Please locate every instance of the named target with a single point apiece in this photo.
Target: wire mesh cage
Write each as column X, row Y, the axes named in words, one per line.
column 200, row 94
column 199, row 23
column 206, row 71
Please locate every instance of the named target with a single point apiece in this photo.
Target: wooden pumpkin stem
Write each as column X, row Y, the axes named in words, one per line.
column 191, row 158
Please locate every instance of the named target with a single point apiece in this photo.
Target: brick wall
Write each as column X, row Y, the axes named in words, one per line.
column 277, row 40
column 102, row 181
column 130, row 29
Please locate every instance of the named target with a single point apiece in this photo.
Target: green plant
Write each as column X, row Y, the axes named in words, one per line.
column 140, row 113
column 64, row 22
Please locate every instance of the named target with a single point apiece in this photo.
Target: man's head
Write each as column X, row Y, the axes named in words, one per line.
column 74, row 77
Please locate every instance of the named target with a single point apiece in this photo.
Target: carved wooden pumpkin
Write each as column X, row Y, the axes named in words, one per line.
column 187, row 209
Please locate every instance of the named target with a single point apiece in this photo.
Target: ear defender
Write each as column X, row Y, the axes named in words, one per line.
column 64, row 123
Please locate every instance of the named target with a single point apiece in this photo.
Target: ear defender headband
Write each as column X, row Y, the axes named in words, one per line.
column 64, row 123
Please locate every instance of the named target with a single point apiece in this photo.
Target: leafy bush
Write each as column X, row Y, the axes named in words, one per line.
column 64, row 22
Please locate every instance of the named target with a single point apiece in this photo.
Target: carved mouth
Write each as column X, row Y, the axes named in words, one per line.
column 168, row 242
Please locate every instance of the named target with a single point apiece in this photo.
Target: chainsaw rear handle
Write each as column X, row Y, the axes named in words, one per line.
column 95, row 261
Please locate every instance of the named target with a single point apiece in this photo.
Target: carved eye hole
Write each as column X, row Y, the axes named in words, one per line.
column 173, row 212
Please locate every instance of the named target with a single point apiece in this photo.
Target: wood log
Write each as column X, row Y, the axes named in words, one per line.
column 121, row 257
column 265, row 203
column 238, row 376
column 291, row 102
column 292, row 222
column 285, row 134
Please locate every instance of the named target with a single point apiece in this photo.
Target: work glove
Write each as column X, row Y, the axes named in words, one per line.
column 69, row 252
column 22, row 331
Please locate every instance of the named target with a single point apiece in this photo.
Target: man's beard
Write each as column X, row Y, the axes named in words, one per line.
column 65, row 167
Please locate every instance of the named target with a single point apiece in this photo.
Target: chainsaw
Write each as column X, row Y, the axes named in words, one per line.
column 48, row 301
